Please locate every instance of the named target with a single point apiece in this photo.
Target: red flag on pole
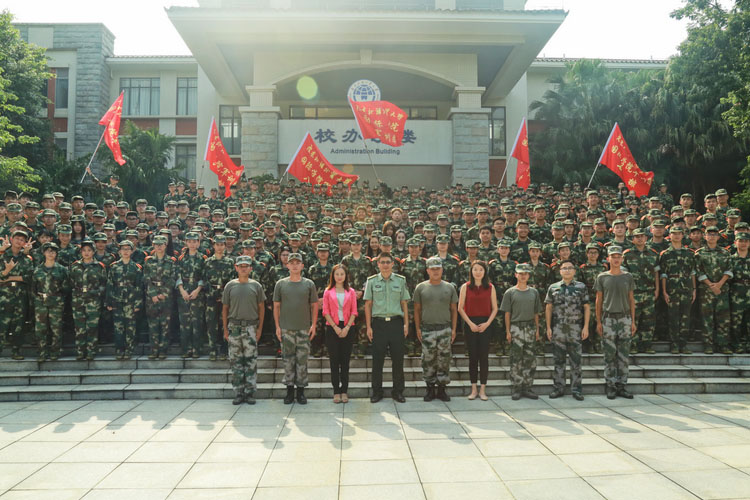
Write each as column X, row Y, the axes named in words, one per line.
column 520, row 152
column 219, row 161
column 380, row 120
column 112, row 121
column 309, row 165
column 618, row 158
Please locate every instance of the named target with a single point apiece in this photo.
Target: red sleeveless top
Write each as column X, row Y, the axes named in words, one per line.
column 478, row 301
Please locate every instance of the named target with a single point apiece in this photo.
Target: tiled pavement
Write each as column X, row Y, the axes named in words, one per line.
column 661, row 447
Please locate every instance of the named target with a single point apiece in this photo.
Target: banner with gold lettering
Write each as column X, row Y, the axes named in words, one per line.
column 309, row 165
column 380, row 120
column 219, row 161
column 618, row 158
column 112, row 134
column 520, row 152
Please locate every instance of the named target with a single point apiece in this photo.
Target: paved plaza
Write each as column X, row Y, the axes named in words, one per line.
column 661, row 447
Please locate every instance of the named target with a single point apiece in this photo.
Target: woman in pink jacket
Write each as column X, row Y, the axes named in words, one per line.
column 340, row 310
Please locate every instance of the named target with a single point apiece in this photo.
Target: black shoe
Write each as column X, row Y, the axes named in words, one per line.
column 442, row 395
column 578, row 396
column 249, row 399
column 398, row 397
column 623, row 393
column 430, row 395
column 289, row 399
column 515, row 396
column 301, row 399
column 238, row 399
column 556, row 394
column 611, row 393
column 376, row 396
column 529, row 394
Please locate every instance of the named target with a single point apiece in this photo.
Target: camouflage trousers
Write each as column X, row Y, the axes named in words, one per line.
column 295, row 350
column 436, row 356
column 678, row 317
column 645, row 316
column 360, row 327
column 741, row 325
column 716, row 317
column 213, row 330
column 191, row 323
column 86, row 313
column 159, row 316
column 48, row 325
column 243, row 357
column 616, row 339
column 566, row 342
column 498, row 333
column 13, row 311
column 124, row 318
column 522, row 357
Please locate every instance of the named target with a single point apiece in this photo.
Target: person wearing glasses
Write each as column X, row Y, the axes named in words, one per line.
column 387, row 319
column 567, row 312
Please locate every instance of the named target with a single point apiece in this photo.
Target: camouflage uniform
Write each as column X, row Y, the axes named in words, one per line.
column 523, row 338
column 415, row 272
column 190, row 272
column 502, row 275
column 568, row 303
column 739, row 295
column 712, row 264
column 49, row 285
column 642, row 265
column 320, row 275
column 677, row 266
column 359, row 270
column 159, row 279
column 216, row 274
column 450, row 269
column 88, row 283
column 616, row 338
column 587, row 273
column 243, row 356
column 14, row 300
column 124, row 296
column 295, row 350
column 539, row 280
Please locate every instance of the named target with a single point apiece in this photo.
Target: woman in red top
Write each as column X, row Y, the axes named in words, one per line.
column 339, row 310
column 477, row 305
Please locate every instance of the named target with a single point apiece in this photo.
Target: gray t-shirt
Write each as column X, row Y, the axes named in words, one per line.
column 521, row 304
column 616, row 290
column 295, row 298
column 243, row 299
column 436, row 301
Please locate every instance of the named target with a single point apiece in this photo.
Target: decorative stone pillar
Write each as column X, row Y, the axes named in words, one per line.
column 260, row 132
column 471, row 132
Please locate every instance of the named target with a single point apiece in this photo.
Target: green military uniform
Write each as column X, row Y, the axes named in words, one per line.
column 217, row 273
column 587, row 273
column 88, row 283
column 49, row 285
column 14, row 298
column 159, row 276
column 713, row 264
column 739, row 299
column 320, row 274
column 502, row 275
column 190, row 272
column 677, row 267
column 415, row 272
column 642, row 265
column 359, row 270
column 125, row 297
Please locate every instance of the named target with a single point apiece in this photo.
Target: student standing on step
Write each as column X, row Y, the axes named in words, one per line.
column 435, row 319
column 340, row 311
column 124, row 298
column 88, row 281
column 16, row 269
column 615, row 322
column 49, row 285
column 242, row 316
column 295, row 308
column 159, row 280
column 522, row 307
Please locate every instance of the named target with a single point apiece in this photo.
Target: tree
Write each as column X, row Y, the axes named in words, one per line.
column 23, row 72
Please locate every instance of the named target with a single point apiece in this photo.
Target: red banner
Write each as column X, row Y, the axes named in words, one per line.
column 618, row 158
column 112, row 120
column 521, row 153
column 220, row 162
column 309, row 165
column 380, row 120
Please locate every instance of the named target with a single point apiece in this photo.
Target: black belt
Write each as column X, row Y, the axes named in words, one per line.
column 388, row 318
column 431, row 328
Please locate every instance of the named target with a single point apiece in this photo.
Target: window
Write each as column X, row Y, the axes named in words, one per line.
column 497, row 131
column 184, row 159
column 62, row 144
column 187, row 96
column 230, row 128
column 422, row 112
column 61, row 88
column 141, row 96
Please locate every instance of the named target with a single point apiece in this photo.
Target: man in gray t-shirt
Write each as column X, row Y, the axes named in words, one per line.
column 615, row 322
column 295, row 304
column 242, row 312
column 435, row 316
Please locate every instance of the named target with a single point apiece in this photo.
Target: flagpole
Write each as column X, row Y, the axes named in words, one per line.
column 599, row 161
column 361, row 135
column 91, row 160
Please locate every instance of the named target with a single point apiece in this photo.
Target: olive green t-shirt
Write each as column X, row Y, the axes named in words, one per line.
column 521, row 304
column 436, row 302
column 295, row 298
column 243, row 299
column 615, row 290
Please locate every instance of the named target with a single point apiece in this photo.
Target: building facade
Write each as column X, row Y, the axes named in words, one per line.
column 269, row 71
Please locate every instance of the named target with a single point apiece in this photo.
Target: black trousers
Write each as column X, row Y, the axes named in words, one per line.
column 339, row 353
column 479, row 350
column 388, row 334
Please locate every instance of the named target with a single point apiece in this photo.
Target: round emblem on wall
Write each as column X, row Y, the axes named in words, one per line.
column 364, row 90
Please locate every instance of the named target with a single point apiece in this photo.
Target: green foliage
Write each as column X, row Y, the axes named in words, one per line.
column 63, row 175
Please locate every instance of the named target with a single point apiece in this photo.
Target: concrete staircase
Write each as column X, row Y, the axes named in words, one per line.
column 141, row 378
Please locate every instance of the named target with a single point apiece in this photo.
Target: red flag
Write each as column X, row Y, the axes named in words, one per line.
column 219, row 161
column 112, row 120
column 309, row 165
column 618, row 158
column 380, row 120
column 520, row 152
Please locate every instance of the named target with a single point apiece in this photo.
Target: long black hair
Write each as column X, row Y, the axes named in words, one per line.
column 485, row 278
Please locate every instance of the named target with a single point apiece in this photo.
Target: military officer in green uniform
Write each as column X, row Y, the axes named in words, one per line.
column 88, row 281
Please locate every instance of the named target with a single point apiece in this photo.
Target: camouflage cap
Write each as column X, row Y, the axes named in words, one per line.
column 295, row 237
column 442, row 238
column 434, row 262
column 676, row 229
column 141, row 226
column 159, row 240
column 721, row 192
column 733, row 212
column 386, row 240
column 535, row 244
column 742, row 225
column 295, row 256
column 708, row 215
column 659, row 222
column 504, row 242
column 563, row 244
column 230, row 233
column 65, row 206
column 696, row 228
column 248, row 243
column 639, row 232
column 456, row 229
column 50, row 245
column 19, row 232
column 412, row 242
column 594, row 246
column 354, row 239
column 130, row 233
column 100, row 237
column 49, row 212
column 192, row 235
column 126, row 243
column 712, row 229
column 64, row 229
column 614, row 249
column 742, row 236
column 472, row 244
column 99, row 214
column 14, row 208
column 523, row 268
column 558, row 225
column 243, row 260
column 322, row 247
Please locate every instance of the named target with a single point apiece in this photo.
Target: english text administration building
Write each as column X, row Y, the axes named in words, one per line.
column 271, row 70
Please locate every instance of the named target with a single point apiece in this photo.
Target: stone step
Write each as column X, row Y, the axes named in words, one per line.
column 356, row 389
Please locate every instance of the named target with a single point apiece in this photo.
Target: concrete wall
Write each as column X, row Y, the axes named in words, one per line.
column 470, row 148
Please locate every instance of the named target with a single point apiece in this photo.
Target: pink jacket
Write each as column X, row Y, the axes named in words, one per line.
column 331, row 304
